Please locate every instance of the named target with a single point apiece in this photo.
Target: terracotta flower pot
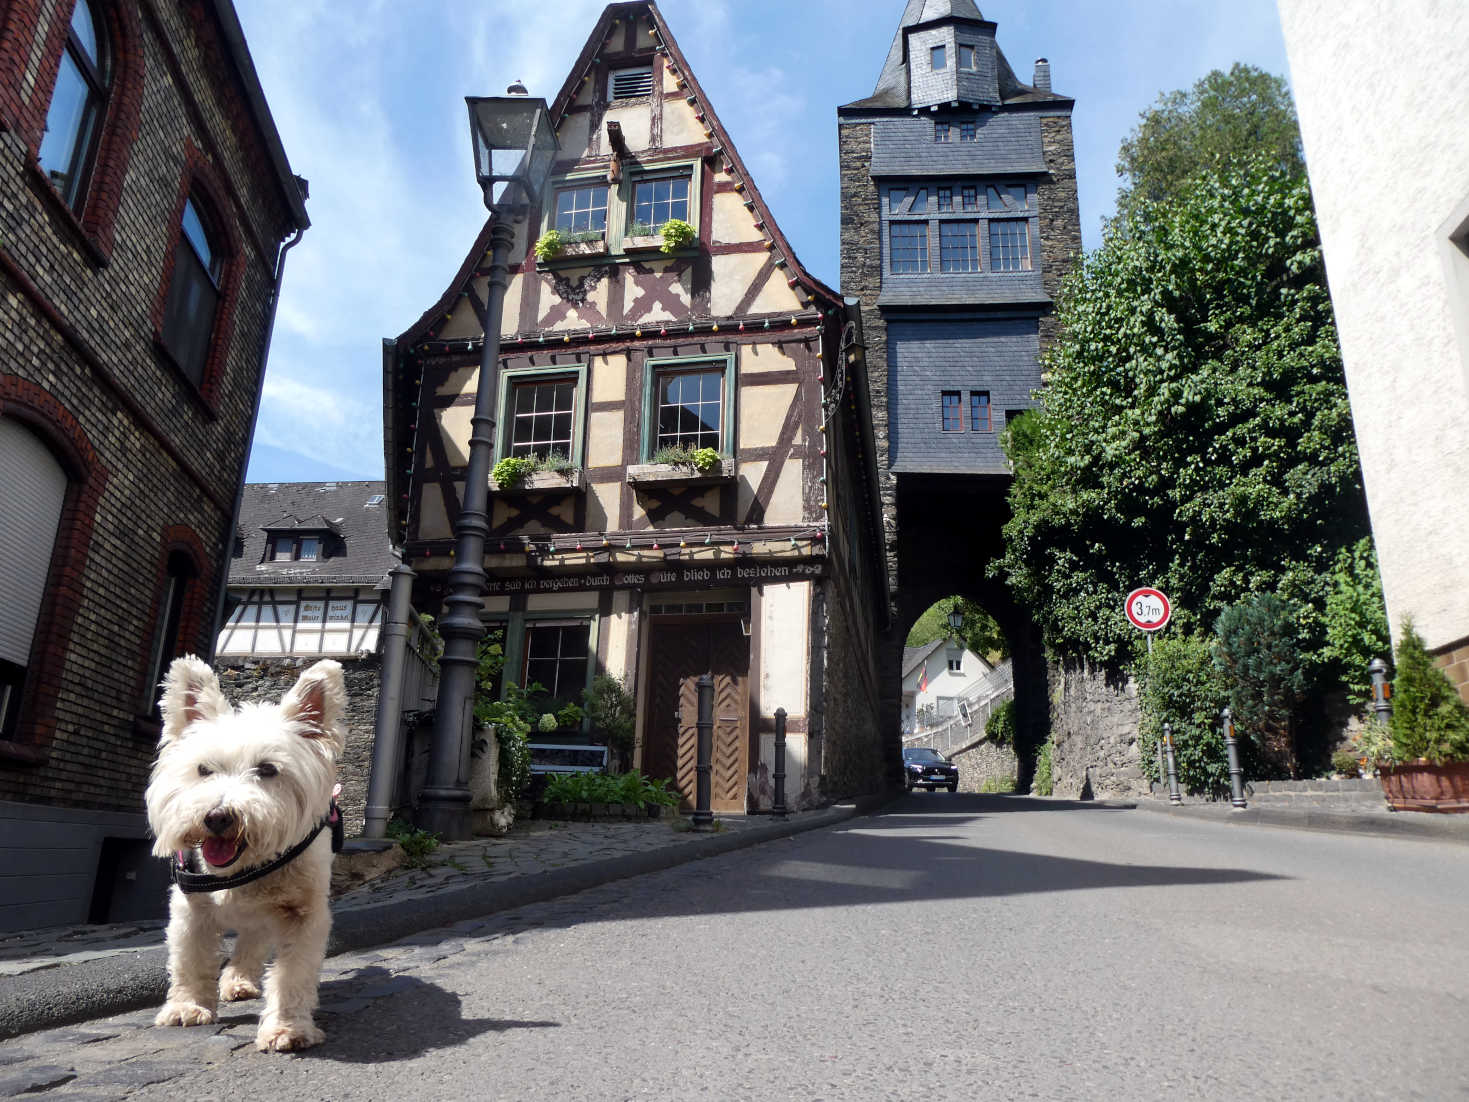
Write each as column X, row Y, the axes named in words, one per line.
column 1423, row 786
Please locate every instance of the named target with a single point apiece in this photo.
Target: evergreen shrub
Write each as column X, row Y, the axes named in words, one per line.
column 1429, row 720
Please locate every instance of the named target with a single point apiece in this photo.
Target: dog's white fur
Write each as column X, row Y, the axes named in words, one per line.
column 208, row 761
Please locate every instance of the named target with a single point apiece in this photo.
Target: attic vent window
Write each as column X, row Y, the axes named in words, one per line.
column 630, row 83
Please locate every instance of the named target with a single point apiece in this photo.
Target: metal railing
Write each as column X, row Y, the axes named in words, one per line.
column 420, row 669
column 980, row 700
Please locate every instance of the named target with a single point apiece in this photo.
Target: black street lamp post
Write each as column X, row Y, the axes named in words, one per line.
column 514, row 147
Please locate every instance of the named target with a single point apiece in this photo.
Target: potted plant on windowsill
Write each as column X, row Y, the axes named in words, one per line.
column 683, row 465
column 1429, row 728
column 642, row 238
column 563, row 245
column 534, row 474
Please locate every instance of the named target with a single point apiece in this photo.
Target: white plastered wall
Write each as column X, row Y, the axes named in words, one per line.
column 785, row 662
column 1381, row 93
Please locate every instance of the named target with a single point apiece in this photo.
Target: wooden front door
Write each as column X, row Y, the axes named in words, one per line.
column 678, row 654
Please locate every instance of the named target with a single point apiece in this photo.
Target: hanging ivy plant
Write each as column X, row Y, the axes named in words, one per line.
column 677, row 234
column 549, row 245
column 511, row 471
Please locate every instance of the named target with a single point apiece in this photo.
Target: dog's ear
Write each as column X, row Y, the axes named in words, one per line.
column 317, row 701
column 190, row 693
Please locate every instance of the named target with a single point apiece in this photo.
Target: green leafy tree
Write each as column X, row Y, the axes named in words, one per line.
column 1180, row 685
column 1223, row 119
column 1429, row 720
column 1265, row 666
column 979, row 631
column 1356, row 618
column 1196, row 434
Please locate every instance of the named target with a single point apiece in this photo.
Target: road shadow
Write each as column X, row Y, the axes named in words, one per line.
column 375, row 1017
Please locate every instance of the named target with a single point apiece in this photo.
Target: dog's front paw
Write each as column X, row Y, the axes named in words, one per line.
column 233, row 987
column 184, row 1013
column 288, row 1036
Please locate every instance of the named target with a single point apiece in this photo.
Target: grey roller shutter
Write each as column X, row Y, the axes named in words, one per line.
column 32, row 490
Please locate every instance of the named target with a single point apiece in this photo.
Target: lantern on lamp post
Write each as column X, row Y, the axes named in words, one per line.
column 514, row 148
column 956, row 620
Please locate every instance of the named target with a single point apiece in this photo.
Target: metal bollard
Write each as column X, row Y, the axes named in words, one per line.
column 778, row 808
column 1381, row 689
column 1162, row 765
column 702, row 817
column 1231, row 750
column 1174, row 796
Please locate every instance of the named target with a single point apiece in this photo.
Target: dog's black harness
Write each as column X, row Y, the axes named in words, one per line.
column 191, row 882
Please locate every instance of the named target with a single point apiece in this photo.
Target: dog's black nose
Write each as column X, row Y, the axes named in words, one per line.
column 219, row 820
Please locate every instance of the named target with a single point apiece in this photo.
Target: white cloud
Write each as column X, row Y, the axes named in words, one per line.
column 329, row 423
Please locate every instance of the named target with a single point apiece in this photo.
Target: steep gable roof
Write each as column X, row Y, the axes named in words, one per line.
column 665, row 43
column 362, row 552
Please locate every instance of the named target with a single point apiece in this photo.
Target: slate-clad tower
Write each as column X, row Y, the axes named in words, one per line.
column 959, row 220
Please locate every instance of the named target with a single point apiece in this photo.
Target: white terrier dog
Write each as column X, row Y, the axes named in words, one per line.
column 232, row 793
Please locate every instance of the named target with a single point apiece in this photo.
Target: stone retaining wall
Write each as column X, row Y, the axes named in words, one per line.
column 985, row 762
column 257, row 679
column 1094, row 724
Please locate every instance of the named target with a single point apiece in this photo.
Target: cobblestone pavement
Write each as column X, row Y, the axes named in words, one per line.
column 531, row 848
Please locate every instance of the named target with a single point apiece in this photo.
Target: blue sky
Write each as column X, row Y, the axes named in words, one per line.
column 369, row 101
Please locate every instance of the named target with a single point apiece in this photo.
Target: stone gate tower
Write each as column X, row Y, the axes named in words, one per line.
column 959, row 221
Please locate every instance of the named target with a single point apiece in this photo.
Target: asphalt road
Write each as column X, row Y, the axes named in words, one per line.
column 950, row 947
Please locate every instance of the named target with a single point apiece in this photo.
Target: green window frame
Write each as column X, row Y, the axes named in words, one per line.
column 514, row 626
column 657, row 370
column 514, row 378
column 620, row 212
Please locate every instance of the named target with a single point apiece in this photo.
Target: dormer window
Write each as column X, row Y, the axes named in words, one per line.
column 967, row 58
column 295, row 549
column 938, row 57
column 630, row 83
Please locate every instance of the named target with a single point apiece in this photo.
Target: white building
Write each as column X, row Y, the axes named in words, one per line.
column 1381, row 93
column 935, row 677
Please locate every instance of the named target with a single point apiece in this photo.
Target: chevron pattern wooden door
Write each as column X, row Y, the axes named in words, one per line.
column 678, row 654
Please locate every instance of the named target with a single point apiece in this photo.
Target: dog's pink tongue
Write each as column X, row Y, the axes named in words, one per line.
column 220, row 851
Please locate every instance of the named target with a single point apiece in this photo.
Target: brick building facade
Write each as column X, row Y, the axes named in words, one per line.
column 959, row 220
column 145, row 208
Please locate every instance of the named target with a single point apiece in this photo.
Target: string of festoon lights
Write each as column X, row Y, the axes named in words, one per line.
column 626, row 547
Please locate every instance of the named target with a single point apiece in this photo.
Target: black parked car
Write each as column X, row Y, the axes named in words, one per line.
column 925, row 768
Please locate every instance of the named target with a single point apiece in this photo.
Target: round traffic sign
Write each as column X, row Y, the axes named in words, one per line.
column 1148, row 609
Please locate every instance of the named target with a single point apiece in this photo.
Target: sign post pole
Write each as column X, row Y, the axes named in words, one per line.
column 1148, row 610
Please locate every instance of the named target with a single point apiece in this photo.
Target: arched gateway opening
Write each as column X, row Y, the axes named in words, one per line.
column 949, row 531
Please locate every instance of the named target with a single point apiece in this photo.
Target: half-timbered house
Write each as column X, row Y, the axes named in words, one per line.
column 623, row 356
column 309, row 570
column 309, row 579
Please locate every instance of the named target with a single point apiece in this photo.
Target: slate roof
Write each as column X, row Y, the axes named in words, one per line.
column 892, row 82
column 913, row 657
column 358, row 551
